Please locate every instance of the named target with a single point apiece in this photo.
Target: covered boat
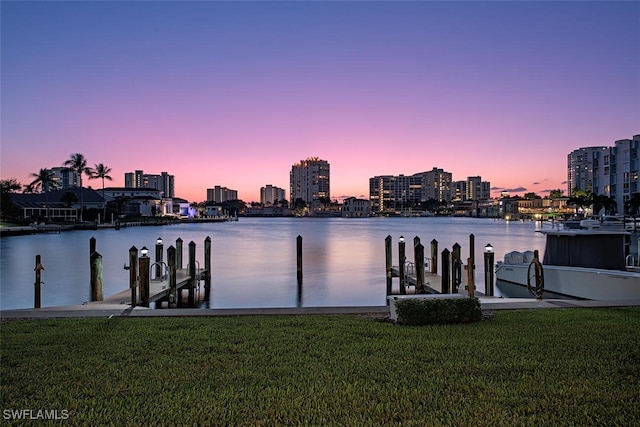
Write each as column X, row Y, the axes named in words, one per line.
column 584, row 264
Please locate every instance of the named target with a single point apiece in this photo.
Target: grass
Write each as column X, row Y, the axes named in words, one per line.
column 530, row 368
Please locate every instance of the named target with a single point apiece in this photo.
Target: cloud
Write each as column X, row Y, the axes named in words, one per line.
column 515, row 190
column 536, row 183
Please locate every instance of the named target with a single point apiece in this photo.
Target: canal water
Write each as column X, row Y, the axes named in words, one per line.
column 254, row 259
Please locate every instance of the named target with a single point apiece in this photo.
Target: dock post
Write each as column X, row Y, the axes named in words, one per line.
column 92, row 245
column 192, row 273
column 488, row 270
column 471, row 286
column 416, row 241
column 171, row 261
column 388, row 262
column 144, row 278
column 401, row 261
column 133, row 275
column 179, row 253
column 446, row 271
column 207, row 268
column 434, row 256
column 299, row 259
column 158, row 262
column 96, row 277
column 456, row 265
column 419, row 260
column 38, row 283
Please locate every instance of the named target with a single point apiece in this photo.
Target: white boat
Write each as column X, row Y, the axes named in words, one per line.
column 583, row 264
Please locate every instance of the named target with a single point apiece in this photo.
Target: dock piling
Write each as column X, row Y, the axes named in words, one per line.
column 158, row 262
column 446, row 271
column 434, row 256
column 179, row 253
column 96, row 277
column 299, row 259
column 419, row 262
column 207, row 268
column 171, row 260
column 192, row 273
column 133, row 275
column 144, row 279
column 456, row 265
column 388, row 262
column 488, row 270
column 401, row 261
column 38, row 282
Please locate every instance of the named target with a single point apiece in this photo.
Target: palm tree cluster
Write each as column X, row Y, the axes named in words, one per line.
column 44, row 180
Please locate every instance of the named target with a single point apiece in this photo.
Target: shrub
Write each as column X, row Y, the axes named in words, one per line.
column 437, row 311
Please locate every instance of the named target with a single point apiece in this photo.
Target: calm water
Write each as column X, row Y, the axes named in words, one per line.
column 254, row 259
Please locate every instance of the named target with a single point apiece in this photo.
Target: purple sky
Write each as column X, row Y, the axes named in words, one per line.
column 234, row 93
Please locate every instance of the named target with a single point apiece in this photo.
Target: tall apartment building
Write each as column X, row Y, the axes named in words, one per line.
column 309, row 181
column 64, row 178
column 220, row 194
column 270, row 194
column 389, row 192
column 474, row 188
column 163, row 182
column 608, row 171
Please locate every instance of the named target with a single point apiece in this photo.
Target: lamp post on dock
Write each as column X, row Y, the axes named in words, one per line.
column 401, row 260
column 158, row 262
column 144, row 276
column 488, row 269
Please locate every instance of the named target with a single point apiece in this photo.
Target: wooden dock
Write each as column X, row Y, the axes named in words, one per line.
column 432, row 282
column 160, row 290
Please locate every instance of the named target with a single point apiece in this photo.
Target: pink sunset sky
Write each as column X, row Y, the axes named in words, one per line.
column 234, row 93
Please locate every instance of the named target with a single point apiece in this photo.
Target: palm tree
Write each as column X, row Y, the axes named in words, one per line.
column 45, row 182
column 78, row 164
column 101, row 171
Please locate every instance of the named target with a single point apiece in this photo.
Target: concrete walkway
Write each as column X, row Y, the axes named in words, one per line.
column 98, row 309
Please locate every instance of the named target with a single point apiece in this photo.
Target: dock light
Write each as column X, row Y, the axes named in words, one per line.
column 144, row 251
column 488, row 248
column 159, row 241
column 401, row 239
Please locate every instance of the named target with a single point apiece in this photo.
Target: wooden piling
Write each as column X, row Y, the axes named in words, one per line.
column 488, row 273
column 171, row 261
column 419, row 262
column 434, row 256
column 192, row 274
column 401, row 261
column 471, row 287
column 96, row 277
column 388, row 264
column 38, row 282
column 158, row 262
column 133, row 274
column 144, row 280
column 179, row 253
column 92, row 245
column 299, row 259
column 446, row 271
column 207, row 268
column 471, row 263
column 456, row 269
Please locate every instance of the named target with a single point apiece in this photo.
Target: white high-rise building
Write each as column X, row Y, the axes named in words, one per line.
column 270, row 195
column 309, row 181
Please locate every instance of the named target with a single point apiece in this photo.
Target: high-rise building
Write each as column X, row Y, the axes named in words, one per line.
column 390, row 193
column 220, row 194
column 309, row 181
column 64, row 178
column 163, row 182
column 607, row 171
column 270, row 194
column 581, row 164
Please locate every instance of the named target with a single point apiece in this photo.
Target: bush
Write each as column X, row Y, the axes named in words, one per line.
column 436, row 311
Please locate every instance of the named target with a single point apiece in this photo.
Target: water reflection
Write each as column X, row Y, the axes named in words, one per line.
column 254, row 259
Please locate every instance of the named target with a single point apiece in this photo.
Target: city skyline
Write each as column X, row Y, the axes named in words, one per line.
column 233, row 93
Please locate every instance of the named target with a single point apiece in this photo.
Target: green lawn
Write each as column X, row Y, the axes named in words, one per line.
column 537, row 367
